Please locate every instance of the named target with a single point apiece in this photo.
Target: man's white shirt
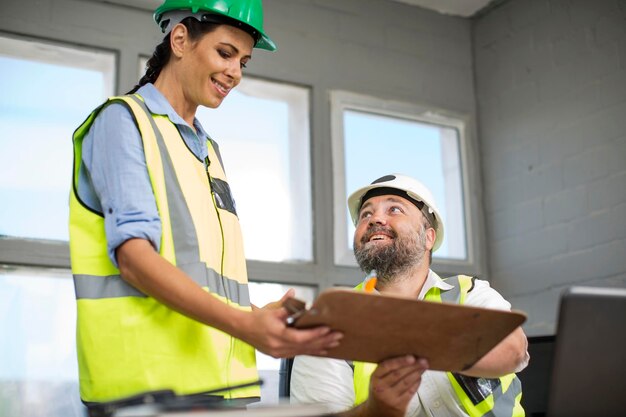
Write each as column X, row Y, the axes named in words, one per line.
column 331, row 382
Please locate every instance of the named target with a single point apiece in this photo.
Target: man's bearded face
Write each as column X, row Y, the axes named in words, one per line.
column 390, row 257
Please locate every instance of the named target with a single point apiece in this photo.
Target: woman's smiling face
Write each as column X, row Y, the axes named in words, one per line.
column 212, row 66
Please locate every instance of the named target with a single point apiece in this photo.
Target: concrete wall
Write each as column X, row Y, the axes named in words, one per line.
column 551, row 94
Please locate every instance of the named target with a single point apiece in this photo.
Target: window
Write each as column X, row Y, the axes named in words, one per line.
column 273, row 194
column 39, row 372
column 373, row 137
column 262, row 129
column 143, row 61
column 47, row 91
column 262, row 293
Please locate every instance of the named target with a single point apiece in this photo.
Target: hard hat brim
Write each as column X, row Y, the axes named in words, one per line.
column 176, row 14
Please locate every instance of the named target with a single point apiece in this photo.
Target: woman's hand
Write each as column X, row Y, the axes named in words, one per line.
column 278, row 304
column 266, row 329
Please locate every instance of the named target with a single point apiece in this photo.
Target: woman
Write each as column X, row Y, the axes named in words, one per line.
column 156, row 250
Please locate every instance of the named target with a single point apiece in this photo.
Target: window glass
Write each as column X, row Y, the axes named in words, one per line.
column 262, row 293
column 375, row 140
column 143, row 60
column 47, row 91
column 276, row 186
column 262, row 129
column 39, row 371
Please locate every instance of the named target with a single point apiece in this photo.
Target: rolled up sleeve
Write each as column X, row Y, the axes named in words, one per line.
column 114, row 158
column 483, row 295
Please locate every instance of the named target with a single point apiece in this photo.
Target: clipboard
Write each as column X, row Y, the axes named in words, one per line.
column 376, row 327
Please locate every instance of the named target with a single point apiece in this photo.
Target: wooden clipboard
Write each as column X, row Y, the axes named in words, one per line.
column 376, row 327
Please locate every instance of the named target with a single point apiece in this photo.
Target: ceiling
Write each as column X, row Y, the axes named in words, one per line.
column 462, row 8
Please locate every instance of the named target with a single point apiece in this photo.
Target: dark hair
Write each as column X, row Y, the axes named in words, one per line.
column 163, row 51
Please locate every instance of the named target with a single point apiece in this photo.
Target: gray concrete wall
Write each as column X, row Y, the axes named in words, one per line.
column 551, row 94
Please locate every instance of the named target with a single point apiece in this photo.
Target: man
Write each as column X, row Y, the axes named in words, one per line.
column 398, row 226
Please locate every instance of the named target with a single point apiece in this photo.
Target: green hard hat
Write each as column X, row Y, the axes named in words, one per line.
column 248, row 14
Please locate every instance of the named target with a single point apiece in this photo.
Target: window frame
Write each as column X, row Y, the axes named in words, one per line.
column 340, row 101
column 45, row 252
column 304, row 143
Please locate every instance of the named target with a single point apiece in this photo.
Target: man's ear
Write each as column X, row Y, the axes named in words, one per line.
column 431, row 236
column 179, row 39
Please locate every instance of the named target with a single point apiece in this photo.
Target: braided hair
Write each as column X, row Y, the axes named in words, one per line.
column 163, row 51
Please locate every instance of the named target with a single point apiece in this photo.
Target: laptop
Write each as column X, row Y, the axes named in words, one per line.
column 589, row 368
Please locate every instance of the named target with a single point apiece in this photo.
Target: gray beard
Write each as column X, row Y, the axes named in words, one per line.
column 392, row 260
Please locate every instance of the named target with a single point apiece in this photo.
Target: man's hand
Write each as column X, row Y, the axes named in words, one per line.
column 392, row 385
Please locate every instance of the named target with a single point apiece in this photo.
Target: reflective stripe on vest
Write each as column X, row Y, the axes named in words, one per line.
column 362, row 371
column 480, row 397
column 128, row 342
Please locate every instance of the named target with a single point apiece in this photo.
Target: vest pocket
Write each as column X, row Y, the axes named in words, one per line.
column 223, row 196
column 477, row 389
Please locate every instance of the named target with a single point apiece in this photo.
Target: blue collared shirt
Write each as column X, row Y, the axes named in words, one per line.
column 114, row 179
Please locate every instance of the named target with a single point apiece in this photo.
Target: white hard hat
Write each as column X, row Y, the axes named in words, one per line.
column 414, row 189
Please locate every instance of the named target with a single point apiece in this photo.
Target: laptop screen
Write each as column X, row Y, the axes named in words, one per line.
column 589, row 367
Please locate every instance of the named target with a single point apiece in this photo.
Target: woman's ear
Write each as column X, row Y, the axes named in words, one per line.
column 179, row 39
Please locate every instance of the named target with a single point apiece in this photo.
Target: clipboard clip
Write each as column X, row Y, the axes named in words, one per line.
column 296, row 309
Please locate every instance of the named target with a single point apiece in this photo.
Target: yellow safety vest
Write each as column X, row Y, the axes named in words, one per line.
column 497, row 397
column 128, row 342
